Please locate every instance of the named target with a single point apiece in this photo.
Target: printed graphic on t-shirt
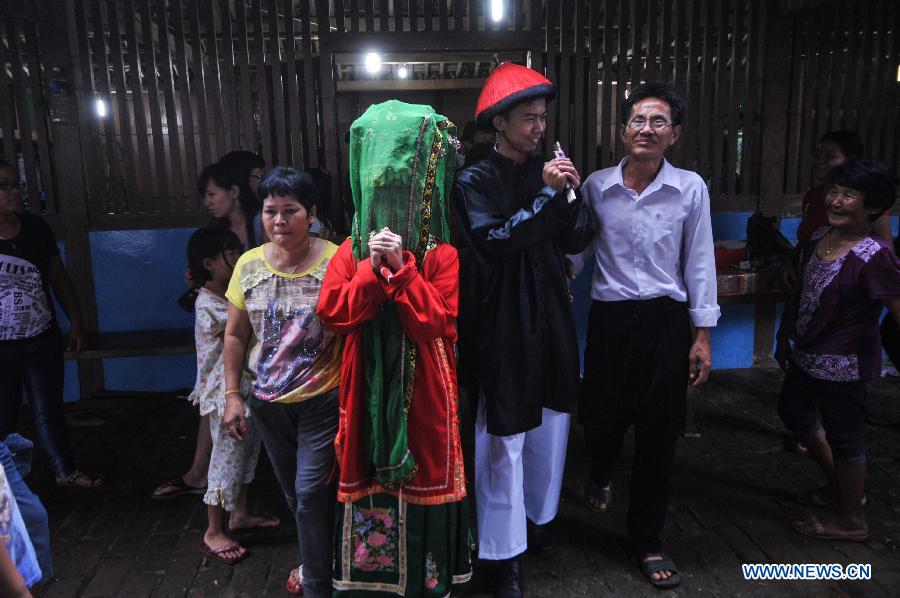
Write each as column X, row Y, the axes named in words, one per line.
column 24, row 308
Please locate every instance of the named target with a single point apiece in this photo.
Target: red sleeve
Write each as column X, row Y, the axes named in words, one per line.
column 351, row 293
column 428, row 300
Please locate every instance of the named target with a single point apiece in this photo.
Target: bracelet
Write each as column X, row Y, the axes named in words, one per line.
column 232, row 391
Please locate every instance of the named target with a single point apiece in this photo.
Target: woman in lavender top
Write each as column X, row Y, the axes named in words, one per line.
column 847, row 277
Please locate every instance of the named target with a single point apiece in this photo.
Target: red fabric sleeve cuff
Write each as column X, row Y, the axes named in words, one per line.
column 403, row 276
column 370, row 282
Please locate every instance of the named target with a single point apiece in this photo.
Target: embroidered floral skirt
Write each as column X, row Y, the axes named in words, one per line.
column 386, row 546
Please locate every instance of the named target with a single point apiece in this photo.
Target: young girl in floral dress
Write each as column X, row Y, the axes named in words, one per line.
column 212, row 253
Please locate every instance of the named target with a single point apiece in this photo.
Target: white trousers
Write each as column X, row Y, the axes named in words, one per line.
column 517, row 477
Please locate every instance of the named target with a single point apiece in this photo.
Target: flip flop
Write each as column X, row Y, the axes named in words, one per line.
column 655, row 566
column 260, row 527
column 219, row 553
column 294, row 583
column 180, row 486
column 813, row 528
column 601, row 495
column 80, row 479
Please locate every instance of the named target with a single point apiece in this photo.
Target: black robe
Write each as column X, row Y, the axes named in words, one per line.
column 519, row 230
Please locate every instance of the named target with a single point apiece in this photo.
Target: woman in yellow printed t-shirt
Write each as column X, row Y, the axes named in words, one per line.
column 273, row 329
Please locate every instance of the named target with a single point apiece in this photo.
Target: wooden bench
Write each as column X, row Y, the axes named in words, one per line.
column 138, row 343
column 764, row 289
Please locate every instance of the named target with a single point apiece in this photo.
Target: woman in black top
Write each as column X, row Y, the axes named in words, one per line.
column 31, row 344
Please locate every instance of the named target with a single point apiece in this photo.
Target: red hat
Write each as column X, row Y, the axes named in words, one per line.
column 508, row 85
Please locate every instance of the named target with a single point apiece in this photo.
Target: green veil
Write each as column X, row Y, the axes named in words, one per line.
column 402, row 161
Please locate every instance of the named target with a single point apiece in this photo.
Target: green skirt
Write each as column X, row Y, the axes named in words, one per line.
column 386, row 546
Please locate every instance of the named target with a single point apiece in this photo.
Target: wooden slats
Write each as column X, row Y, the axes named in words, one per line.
column 275, row 60
column 293, row 88
column 183, row 86
column 187, row 80
column 167, row 76
column 208, row 147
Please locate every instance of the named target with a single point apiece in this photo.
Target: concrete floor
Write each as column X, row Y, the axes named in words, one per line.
column 732, row 500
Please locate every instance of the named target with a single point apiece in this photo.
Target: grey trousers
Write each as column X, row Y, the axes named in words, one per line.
column 299, row 438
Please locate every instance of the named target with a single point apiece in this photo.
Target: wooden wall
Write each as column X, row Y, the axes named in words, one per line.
column 187, row 80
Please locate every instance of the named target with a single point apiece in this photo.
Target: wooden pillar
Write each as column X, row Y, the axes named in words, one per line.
column 76, row 159
column 775, row 108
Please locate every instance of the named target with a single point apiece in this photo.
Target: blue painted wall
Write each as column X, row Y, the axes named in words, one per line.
column 138, row 275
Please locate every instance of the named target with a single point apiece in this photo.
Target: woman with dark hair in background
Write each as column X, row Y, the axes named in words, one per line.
column 231, row 202
column 848, row 274
column 833, row 149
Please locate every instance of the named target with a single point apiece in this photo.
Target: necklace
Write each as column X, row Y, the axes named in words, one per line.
column 839, row 245
column 282, row 268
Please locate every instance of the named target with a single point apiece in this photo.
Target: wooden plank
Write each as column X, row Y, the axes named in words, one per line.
column 212, row 77
column 590, row 159
column 855, row 62
column 261, row 83
column 704, row 130
column 753, row 84
column 229, row 94
column 127, row 143
column 245, row 108
column 681, row 67
column 168, row 86
column 428, row 14
column 719, row 104
column 151, row 180
column 763, row 331
column 443, row 22
column 295, row 123
column 453, row 41
column 795, row 141
column 535, row 22
column 135, row 344
column 20, row 99
column 310, row 144
column 519, row 17
column 383, row 15
column 735, row 99
column 608, row 95
column 581, row 91
column 563, row 80
column 808, row 134
column 41, row 118
column 823, row 72
column 553, row 57
column 354, row 16
column 635, row 32
column 879, row 66
column 331, row 137
column 457, row 14
column 207, row 146
column 622, row 67
column 838, row 66
column 665, row 39
column 398, row 14
column 79, row 44
column 651, row 70
column 370, row 15
column 183, row 85
column 775, row 100
column 418, row 85
column 280, row 129
column 891, row 151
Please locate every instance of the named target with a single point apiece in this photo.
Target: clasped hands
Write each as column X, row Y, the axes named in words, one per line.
column 559, row 171
column 386, row 247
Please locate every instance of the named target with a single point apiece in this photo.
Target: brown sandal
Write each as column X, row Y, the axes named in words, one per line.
column 80, row 479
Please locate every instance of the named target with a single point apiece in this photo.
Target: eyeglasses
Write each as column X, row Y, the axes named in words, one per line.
column 657, row 124
column 10, row 185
